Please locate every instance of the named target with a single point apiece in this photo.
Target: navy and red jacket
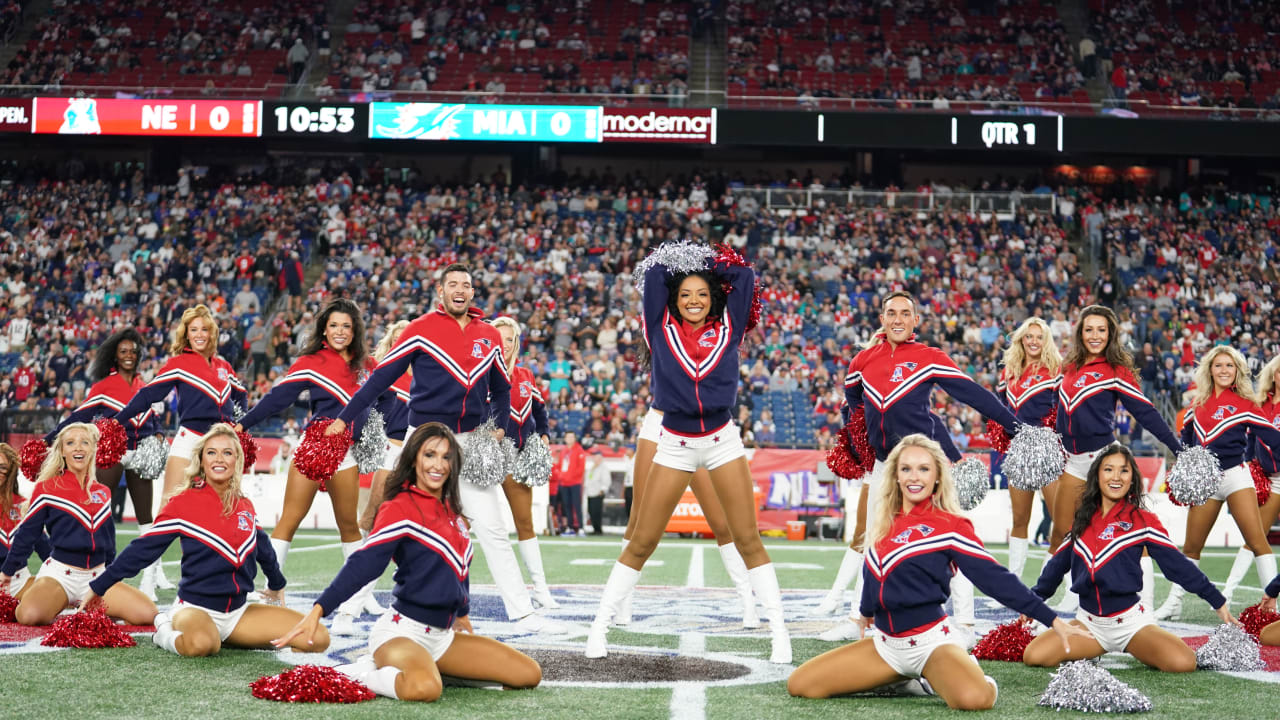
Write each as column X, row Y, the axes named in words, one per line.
column 893, row 384
column 107, row 397
column 432, row 551
column 1104, row 562
column 1087, row 407
column 695, row 372
column 1273, row 587
column 1223, row 425
column 393, row 403
column 207, row 391
column 1032, row 396
column 220, row 552
column 907, row 577
column 9, row 520
column 1267, row 454
column 459, row 378
column 78, row 520
column 528, row 408
column 325, row 377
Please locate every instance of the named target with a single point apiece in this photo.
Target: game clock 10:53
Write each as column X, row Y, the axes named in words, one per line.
column 285, row 119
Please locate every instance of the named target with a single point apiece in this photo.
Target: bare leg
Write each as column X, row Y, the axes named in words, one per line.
column 520, row 498
column 732, row 482
column 199, row 636
column 1046, row 649
column 344, row 493
column 260, row 624
column 829, row 674
column 662, row 493
column 1243, row 506
column 1021, row 501
column 175, row 469
column 474, row 657
column 129, row 604
column 1066, row 499
column 41, row 603
column 860, row 522
column 299, row 493
column 1200, row 520
column 643, row 461
column 140, row 491
column 1271, row 634
column 1158, row 648
column 958, row 679
column 418, row 680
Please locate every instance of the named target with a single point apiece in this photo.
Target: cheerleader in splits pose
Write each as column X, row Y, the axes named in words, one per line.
column 427, row 632
column 1103, row 553
column 1221, row 418
column 892, row 379
column 12, row 508
column 329, row 368
column 693, row 330
column 207, row 392
column 1029, row 386
column 76, row 511
column 1267, row 455
column 393, row 403
column 115, row 382
column 917, row 536
column 1097, row 373
column 221, row 547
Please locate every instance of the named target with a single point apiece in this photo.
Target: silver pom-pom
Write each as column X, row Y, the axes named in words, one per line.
column 372, row 446
column 1035, row 458
column 1230, row 649
column 972, row 482
column 1084, row 687
column 678, row 257
column 1194, row 476
column 509, row 455
column 533, row 464
column 482, row 457
column 149, row 458
column 237, row 412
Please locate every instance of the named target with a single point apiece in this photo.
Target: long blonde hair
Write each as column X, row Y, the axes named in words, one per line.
column 890, row 503
column 196, row 466
column 1204, row 377
column 9, row 480
column 55, row 464
column 1015, row 360
column 389, row 340
column 510, row 322
column 179, row 342
column 1267, row 380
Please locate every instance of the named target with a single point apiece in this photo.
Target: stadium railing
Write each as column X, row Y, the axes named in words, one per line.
column 1003, row 204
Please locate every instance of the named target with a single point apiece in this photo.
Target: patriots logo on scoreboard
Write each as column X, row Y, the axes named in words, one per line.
column 708, row 339
column 898, row 375
column 476, row 350
column 1031, row 381
column 904, row 537
column 1223, row 411
column 1086, row 378
column 1109, row 532
column 244, row 520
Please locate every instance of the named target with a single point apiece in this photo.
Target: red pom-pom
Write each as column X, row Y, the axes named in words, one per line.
column 998, row 437
column 87, row 629
column 726, row 255
column 841, row 458
column 1261, row 483
column 1051, row 420
column 861, row 444
column 1254, row 619
column 112, row 442
column 1006, row 642
column 319, row 455
column 249, row 447
column 310, row 684
column 32, row 456
column 8, row 607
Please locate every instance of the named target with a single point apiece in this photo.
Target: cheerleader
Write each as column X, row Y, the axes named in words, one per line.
column 693, row 329
column 427, row 632
column 206, row 391
column 12, row 508
column 1221, row 418
column 393, row 403
column 1104, row 553
column 917, row 537
column 1097, row 373
column 222, row 544
column 75, row 509
column 329, row 369
column 115, row 382
column 892, row 379
column 528, row 416
column 1267, row 456
column 1029, row 386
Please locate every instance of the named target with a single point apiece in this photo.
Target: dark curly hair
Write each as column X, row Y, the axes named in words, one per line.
column 1091, row 498
column 359, row 350
column 719, row 298
column 105, row 359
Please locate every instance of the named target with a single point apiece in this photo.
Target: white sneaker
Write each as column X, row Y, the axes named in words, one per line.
column 371, row 606
column 844, row 631
column 536, row 622
column 831, row 604
column 343, row 624
column 1171, row 609
column 992, row 682
column 597, row 642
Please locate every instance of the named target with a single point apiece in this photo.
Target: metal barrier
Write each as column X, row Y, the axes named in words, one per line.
column 1003, row 205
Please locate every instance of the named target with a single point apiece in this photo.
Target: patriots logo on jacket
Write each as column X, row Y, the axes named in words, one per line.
column 98, row 496
column 1109, row 532
column 897, row 371
column 524, row 389
column 1223, row 411
column 708, row 339
column 1086, row 378
column 904, row 537
column 1275, row 422
column 223, row 374
column 14, row 514
column 476, row 350
column 362, row 376
column 1031, row 381
column 244, row 520
column 486, row 342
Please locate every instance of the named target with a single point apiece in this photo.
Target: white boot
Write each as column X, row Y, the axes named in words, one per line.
column 962, row 600
column 281, row 548
column 850, row 567
column 737, row 570
column 1017, row 555
column 1147, row 595
column 1171, row 609
column 623, row 617
column 1239, row 568
column 1266, row 566
column 381, row 681
column 344, row 623
column 1070, row 603
column 764, row 581
column 622, row 580
column 148, row 583
column 165, row 637
column 532, row 556
column 153, row 577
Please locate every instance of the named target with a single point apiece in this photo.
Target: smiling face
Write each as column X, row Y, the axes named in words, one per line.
column 200, row 336
column 509, row 344
column 693, row 299
column 1115, row 477
column 1095, row 333
column 77, row 451
column 1033, row 343
column 917, row 476
column 456, row 293
column 899, row 319
column 339, row 331
column 127, row 356
column 1223, row 370
column 218, row 460
column 433, row 466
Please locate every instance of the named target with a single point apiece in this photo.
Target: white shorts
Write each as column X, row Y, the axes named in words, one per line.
column 17, row 581
column 1078, row 464
column 394, row 625
column 1114, row 633
column 74, row 580
column 908, row 655
column 689, row 452
column 651, row 428
column 1234, row 480
column 225, row 622
column 184, row 443
column 1275, row 483
column 348, row 462
column 391, row 455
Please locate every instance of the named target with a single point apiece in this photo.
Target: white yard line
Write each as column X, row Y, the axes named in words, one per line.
column 696, row 577
column 689, row 699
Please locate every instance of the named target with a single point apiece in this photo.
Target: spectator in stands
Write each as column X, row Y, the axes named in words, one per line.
column 569, row 471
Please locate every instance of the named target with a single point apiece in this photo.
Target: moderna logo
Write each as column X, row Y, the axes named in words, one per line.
column 666, row 126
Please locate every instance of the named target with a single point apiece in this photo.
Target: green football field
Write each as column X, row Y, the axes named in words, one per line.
column 684, row 656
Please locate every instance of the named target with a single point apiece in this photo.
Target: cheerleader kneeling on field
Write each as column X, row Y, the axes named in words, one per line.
column 1103, row 551
column 427, row 632
column 917, row 537
column 222, row 546
column 12, row 507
